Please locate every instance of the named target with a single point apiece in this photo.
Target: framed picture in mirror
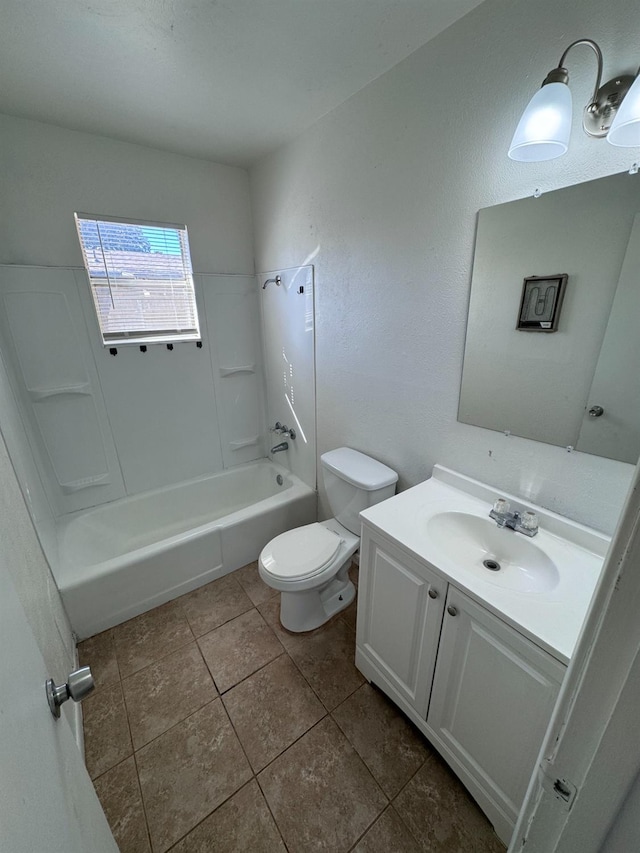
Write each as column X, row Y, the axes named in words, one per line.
column 541, row 303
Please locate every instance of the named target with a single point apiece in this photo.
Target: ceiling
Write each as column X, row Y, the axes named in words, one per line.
column 227, row 80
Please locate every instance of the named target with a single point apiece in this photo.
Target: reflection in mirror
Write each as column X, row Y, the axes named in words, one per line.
column 543, row 384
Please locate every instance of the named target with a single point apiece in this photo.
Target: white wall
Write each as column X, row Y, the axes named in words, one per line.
column 49, row 172
column 384, row 191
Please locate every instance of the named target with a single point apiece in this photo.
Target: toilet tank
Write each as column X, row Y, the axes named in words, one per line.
column 353, row 482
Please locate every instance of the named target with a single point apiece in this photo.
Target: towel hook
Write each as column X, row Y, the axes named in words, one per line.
column 277, row 280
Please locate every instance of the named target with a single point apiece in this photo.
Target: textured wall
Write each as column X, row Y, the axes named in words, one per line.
column 383, row 194
column 49, row 172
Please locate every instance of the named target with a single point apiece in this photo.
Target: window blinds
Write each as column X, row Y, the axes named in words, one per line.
column 141, row 279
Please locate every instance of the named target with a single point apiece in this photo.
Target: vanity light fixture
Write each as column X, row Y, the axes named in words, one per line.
column 545, row 127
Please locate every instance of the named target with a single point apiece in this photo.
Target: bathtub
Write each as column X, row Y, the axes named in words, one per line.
column 122, row 558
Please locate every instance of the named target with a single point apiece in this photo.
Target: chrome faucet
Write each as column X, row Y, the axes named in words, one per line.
column 522, row 522
column 284, row 445
column 283, row 429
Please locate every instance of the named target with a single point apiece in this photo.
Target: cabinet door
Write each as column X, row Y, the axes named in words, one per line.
column 400, row 606
column 492, row 697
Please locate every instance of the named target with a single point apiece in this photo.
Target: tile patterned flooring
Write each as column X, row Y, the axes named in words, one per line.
column 214, row 729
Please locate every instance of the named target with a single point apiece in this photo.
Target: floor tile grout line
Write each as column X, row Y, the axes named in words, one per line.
column 84, row 718
column 253, row 775
column 262, row 666
column 158, row 659
column 233, row 728
column 213, row 811
column 371, row 825
column 328, row 710
column 256, row 772
column 257, row 775
column 273, row 817
column 135, row 765
column 154, row 664
column 375, row 781
column 289, row 745
column 255, row 672
column 404, row 717
column 173, row 725
column 224, row 622
column 427, row 760
column 144, row 807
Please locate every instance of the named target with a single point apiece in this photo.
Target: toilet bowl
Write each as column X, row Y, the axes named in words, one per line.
column 309, row 565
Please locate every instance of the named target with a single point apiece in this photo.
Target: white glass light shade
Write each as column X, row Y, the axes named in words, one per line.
column 544, row 129
column 625, row 128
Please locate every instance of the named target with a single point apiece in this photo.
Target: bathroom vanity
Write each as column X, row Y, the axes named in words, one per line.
column 473, row 655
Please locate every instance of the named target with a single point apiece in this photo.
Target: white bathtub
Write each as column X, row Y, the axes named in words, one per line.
column 122, row 558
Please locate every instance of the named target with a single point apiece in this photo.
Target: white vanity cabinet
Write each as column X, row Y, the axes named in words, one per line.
column 400, row 607
column 478, row 689
column 492, row 697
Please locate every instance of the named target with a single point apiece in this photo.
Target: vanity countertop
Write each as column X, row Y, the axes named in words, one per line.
column 552, row 619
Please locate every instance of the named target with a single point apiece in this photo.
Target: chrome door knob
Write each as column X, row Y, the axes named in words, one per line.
column 79, row 685
column 452, row 611
column 596, row 411
column 433, row 593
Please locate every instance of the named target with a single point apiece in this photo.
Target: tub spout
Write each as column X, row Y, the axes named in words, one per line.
column 284, row 445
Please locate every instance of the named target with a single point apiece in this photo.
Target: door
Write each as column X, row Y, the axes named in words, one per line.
column 492, row 698
column 47, row 801
column 400, row 605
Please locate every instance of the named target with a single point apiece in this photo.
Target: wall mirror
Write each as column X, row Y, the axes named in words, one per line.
column 578, row 385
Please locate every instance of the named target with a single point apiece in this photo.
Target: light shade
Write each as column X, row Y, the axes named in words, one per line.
column 625, row 128
column 544, row 129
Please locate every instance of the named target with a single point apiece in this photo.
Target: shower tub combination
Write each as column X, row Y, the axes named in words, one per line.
column 123, row 558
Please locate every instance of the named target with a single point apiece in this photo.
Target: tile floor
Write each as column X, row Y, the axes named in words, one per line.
column 214, row 729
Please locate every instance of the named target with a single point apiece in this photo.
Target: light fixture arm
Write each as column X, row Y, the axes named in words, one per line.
column 561, row 67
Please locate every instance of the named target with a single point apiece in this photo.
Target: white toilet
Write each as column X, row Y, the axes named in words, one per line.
column 310, row 564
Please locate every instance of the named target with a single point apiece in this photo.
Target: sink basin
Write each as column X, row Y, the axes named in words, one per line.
column 504, row 557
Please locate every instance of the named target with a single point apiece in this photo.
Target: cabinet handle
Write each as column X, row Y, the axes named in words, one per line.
column 433, row 593
column 452, row 611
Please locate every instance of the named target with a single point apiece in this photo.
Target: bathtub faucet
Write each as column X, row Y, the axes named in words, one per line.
column 284, row 445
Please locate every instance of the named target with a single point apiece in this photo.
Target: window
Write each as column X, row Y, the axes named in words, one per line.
column 141, row 279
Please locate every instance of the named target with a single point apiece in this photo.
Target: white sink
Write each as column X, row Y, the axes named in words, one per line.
column 501, row 556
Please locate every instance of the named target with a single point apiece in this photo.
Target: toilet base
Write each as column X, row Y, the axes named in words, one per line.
column 306, row 610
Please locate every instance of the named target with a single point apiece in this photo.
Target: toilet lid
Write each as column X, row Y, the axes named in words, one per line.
column 300, row 552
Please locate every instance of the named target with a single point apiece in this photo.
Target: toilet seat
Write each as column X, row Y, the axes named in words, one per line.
column 300, row 553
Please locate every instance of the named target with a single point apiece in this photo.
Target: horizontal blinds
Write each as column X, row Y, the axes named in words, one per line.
column 141, row 279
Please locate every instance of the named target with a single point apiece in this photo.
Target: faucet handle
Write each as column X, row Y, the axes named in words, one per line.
column 529, row 520
column 277, row 428
column 501, row 506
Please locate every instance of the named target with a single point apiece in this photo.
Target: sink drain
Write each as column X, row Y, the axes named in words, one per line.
column 492, row 565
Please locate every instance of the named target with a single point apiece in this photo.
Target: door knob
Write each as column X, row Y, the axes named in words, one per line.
column 433, row 593
column 596, row 411
column 452, row 611
column 79, row 685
